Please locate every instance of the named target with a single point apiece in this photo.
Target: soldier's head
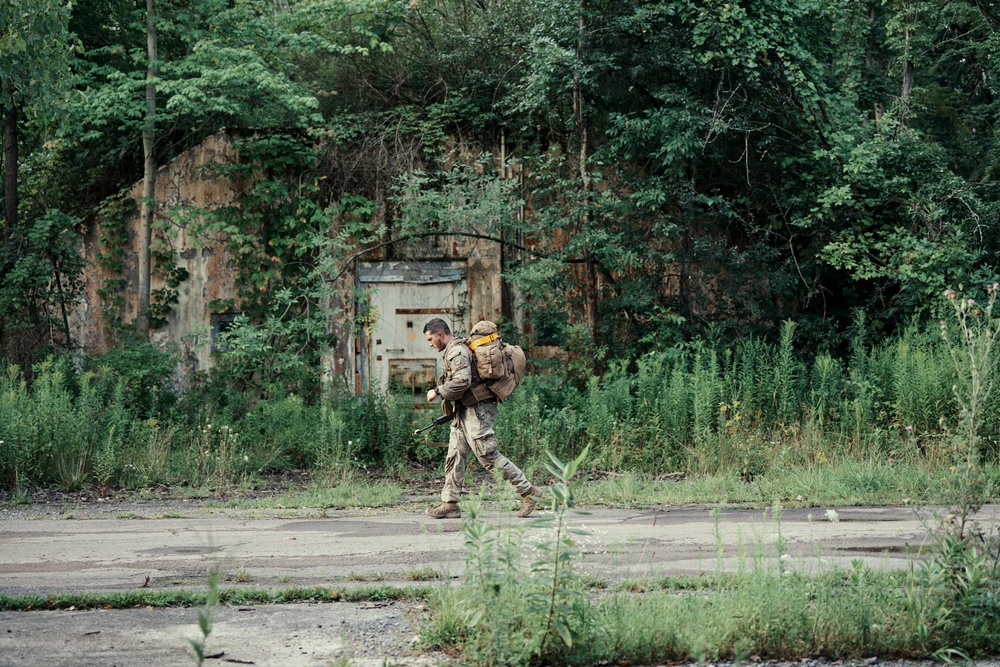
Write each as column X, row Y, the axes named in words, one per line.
column 438, row 334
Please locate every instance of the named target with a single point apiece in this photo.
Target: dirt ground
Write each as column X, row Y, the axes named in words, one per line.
column 84, row 546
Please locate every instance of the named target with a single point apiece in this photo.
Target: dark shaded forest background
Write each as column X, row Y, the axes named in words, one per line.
column 682, row 168
column 738, row 220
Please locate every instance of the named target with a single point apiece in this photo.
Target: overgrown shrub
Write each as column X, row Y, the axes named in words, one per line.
column 145, row 374
column 955, row 603
column 740, row 409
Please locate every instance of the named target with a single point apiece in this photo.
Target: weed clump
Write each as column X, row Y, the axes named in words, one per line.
column 521, row 601
column 530, row 603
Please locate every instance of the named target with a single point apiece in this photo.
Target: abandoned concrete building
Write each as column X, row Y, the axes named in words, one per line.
column 456, row 279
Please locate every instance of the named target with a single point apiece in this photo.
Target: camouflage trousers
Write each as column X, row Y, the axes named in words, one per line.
column 472, row 431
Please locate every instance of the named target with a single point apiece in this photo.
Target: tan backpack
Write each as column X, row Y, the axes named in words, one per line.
column 498, row 364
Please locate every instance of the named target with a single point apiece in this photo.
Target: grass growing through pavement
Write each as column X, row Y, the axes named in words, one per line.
column 523, row 601
column 422, row 574
column 350, row 491
column 945, row 607
column 842, row 484
column 205, row 616
column 193, row 598
column 764, row 613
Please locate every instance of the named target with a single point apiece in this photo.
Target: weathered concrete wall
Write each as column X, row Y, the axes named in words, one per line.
column 183, row 183
column 485, row 290
column 212, row 277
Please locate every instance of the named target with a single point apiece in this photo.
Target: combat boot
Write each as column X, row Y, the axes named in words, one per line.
column 528, row 501
column 445, row 511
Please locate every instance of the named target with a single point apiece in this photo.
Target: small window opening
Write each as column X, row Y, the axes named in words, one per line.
column 221, row 323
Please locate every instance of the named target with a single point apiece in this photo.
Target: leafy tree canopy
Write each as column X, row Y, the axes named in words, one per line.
column 672, row 168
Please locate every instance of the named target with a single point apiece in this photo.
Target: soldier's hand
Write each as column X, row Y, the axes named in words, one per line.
column 432, row 395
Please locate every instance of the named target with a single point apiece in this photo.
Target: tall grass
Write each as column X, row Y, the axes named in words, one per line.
column 853, row 613
column 743, row 409
column 752, row 406
column 52, row 433
column 66, row 430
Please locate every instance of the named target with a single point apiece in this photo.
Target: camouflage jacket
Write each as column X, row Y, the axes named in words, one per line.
column 457, row 377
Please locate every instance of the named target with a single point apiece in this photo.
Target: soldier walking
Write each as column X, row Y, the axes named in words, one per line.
column 472, row 430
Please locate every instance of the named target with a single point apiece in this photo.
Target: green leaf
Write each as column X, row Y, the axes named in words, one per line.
column 204, row 623
column 564, row 633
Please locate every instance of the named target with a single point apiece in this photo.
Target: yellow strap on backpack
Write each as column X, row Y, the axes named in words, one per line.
column 482, row 341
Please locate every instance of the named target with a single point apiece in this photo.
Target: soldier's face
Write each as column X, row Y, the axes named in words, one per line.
column 435, row 340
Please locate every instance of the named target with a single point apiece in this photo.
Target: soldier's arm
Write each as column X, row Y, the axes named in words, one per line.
column 461, row 374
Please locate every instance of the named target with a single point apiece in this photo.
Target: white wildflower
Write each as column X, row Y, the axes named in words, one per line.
column 832, row 515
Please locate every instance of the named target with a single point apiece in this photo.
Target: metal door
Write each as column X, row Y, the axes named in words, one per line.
column 402, row 297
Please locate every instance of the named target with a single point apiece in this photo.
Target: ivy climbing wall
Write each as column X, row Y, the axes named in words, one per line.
column 199, row 285
column 193, row 281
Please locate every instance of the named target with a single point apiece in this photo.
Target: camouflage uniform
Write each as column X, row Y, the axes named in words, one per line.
column 472, row 429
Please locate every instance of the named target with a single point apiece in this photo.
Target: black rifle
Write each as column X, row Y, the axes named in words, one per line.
column 443, row 419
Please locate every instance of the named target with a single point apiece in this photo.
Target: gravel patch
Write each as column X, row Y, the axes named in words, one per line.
column 360, row 634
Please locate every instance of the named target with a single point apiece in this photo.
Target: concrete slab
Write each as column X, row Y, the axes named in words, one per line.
column 274, row 635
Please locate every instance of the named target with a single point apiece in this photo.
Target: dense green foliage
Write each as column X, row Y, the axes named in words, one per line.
column 682, row 167
column 39, row 266
column 739, row 214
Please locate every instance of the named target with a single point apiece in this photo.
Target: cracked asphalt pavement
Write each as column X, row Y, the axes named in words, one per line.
column 50, row 550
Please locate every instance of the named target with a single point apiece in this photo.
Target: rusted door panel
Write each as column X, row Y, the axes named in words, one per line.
column 394, row 353
column 412, row 376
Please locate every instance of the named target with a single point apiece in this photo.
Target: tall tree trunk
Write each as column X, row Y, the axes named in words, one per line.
column 10, row 158
column 149, row 174
column 906, row 89
column 62, row 306
column 580, row 121
column 873, row 61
